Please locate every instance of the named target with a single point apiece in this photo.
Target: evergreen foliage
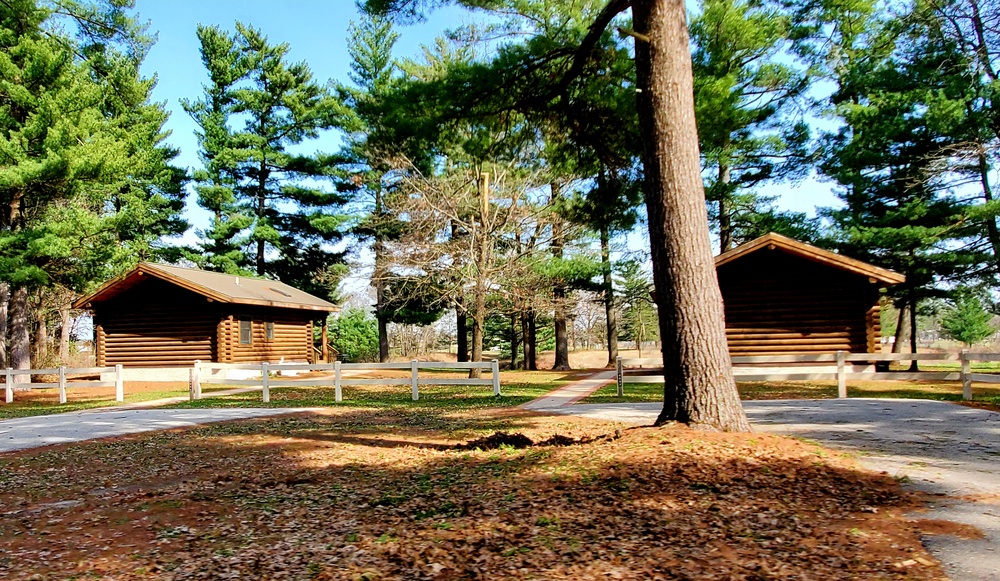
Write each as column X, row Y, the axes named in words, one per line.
column 274, row 212
column 354, row 335
column 967, row 320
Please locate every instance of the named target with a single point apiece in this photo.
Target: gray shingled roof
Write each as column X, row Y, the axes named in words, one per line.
column 224, row 288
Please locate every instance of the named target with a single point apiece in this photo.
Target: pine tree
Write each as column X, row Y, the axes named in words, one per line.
column 272, row 201
column 967, row 321
column 748, row 103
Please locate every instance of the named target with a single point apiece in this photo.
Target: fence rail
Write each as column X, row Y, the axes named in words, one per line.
column 11, row 384
column 266, row 382
column 839, row 372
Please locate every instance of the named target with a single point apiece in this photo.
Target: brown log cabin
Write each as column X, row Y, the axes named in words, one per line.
column 167, row 316
column 783, row 296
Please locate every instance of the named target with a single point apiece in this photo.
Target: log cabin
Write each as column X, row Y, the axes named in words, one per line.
column 783, row 296
column 167, row 316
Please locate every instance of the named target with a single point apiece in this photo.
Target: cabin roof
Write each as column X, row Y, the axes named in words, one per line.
column 777, row 241
column 217, row 286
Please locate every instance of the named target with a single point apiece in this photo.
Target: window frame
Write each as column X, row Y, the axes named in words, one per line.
column 249, row 328
column 269, row 330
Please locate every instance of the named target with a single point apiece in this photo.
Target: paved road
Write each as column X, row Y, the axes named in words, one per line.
column 23, row 433
column 939, row 447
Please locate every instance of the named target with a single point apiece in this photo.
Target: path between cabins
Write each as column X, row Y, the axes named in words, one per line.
column 948, row 451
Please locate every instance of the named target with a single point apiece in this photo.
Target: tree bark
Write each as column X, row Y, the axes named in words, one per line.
column 41, row 338
column 64, row 329
column 4, row 302
column 559, row 292
column 462, row 330
column 699, row 388
column 525, row 338
column 20, row 344
column 610, row 315
column 513, row 342
column 901, row 322
column 913, row 334
column 531, row 355
column 725, row 208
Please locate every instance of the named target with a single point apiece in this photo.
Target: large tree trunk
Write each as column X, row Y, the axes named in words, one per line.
column 611, row 316
column 559, row 293
column 20, row 343
column 41, row 338
column 525, row 338
column 513, row 342
column 531, row 355
column 4, row 301
column 699, row 387
column 901, row 322
column 462, row 329
column 913, row 333
column 992, row 234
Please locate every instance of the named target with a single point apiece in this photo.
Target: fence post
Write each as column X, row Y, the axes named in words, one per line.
column 413, row 381
column 62, row 384
column 841, row 376
column 619, row 376
column 196, row 380
column 338, row 395
column 8, row 378
column 265, row 389
column 964, row 376
column 119, row 384
column 496, row 376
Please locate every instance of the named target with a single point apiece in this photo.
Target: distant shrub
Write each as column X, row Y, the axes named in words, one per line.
column 354, row 334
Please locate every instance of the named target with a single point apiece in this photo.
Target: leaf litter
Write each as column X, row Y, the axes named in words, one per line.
column 394, row 494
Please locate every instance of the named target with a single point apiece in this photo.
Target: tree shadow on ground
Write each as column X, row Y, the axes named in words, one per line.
column 360, row 494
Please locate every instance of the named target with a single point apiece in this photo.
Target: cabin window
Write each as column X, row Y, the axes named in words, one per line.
column 246, row 332
column 269, row 330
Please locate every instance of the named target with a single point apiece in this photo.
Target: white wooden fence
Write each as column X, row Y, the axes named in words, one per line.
column 63, row 384
column 839, row 373
column 201, row 374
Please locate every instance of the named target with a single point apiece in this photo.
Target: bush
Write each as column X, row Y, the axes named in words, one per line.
column 354, row 334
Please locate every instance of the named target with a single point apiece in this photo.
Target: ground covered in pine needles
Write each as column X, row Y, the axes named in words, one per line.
column 438, row 494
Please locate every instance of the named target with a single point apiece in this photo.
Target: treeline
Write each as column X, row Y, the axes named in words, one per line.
column 494, row 173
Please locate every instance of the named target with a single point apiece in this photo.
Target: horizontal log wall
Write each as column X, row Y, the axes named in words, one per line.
column 156, row 324
column 779, row 303
column 292, row 336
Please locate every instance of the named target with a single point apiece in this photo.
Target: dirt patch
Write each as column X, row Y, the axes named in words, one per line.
column 947, row 527
column 376, row 494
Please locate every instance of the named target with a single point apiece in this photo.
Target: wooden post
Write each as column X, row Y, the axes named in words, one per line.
column 413, row 381
column 8, row 379
column 337, row 394
column 62, row 384
column 964, row 376
column 841, row 376
column 265, row 389
column 196, row 381
column 119, row 384
column 496, row 377
column 326, row 342
column 620, row 376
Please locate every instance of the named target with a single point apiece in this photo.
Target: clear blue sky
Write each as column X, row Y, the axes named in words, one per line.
column 317, row 33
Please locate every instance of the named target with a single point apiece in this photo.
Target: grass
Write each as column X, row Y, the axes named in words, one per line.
column 41, row 402
column 943, row 391
column 516, row 389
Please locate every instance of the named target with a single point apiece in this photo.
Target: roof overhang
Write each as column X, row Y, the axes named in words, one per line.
column 122, row 283
column 774, row 241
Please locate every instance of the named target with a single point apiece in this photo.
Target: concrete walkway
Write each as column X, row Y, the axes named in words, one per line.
column 36, row 431
column 947, row 450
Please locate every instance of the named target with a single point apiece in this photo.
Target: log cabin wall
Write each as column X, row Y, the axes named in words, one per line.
column 777, row 302
column 292, row 335
column 156, row 324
